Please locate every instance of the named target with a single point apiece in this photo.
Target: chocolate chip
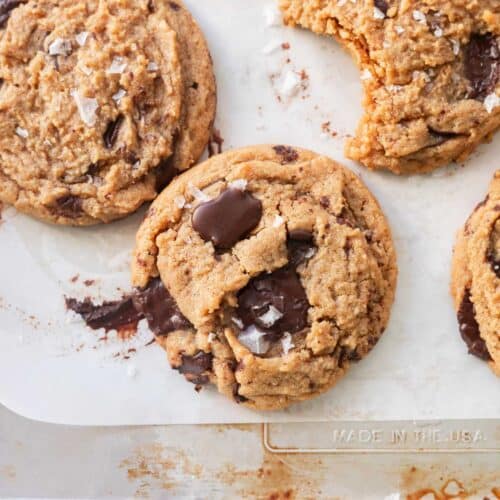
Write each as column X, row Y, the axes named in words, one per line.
column 69, row 206
column 281, row 290
column 111, row 133
column 151, row 6
column 288, row 154
column 469, row 329
column 324, row 201
column 114, row 315
column 174, row 6
column 482, row 65
column 228, row 218
column 382, row 5
column 197, row 364
column 159, row 308
column 6, row 8
column 194, row 85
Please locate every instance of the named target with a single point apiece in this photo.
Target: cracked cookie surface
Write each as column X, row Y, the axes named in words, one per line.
column 282, row 267
column 95, row 104
column 430, row 71
column 475, row 284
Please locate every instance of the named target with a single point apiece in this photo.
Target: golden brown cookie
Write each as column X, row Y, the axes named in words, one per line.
column 199, row 96
column 475, row 283
column 94, row 104
column 277, row 272
column 430, row 71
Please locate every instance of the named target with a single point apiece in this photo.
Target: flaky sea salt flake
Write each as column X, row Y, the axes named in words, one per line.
column 254, row 339
column 60, row 47
column 118, row 66
column 278, row 221
column 419, row 16
column 152, row 66
column 378, row 14
column 22, row 132
column 438, row 32
column 87, row 107
column 291, row 84
column 117, row 97
column 270, row 316
column 455, row 46
column 240, row 184
column 286, row 343
column 198, row 194
column 84, row 69
column 81, row 38
column 180, row 201
column 399, row 30
column 491, row 102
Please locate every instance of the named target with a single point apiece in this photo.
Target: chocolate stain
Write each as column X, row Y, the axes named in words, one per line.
column 152, row 303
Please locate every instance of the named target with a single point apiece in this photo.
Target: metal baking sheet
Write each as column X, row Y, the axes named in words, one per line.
column 54, row 369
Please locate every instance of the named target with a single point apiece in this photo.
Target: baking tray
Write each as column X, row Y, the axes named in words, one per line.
column 54, row 369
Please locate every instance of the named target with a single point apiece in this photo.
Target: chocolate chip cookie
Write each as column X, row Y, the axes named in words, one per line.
column 266, row 271
column 98, row 103
column 430, row 72
column 475, row 283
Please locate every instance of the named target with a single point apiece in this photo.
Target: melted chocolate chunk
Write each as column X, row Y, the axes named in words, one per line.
column 69, row 206
column 280, row 289
column 482, row 65
column 300, row 244
column 196, row 365
column 111, row 133
column 469, row 329
column 6, row 8
column 114, row 315
column 174, row 6
column 288, row 154
column 382, row 5
column 437, row 137
column 153, row 303
column 159, row 308
column 165, row 172
column 228, row 218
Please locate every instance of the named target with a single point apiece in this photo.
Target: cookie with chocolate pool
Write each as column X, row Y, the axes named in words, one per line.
column 475, row 279
column 282, row 265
